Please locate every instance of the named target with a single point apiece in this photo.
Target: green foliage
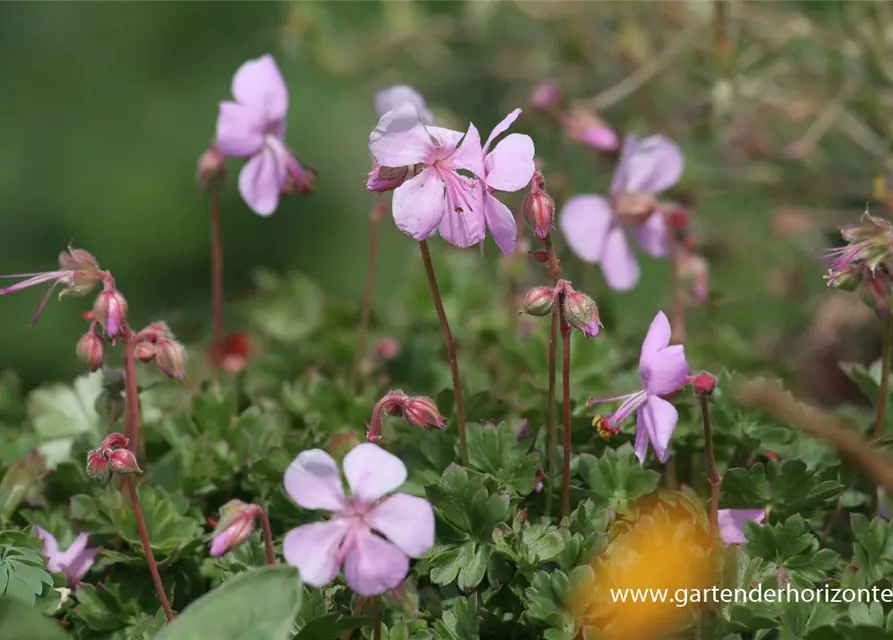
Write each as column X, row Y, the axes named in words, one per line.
column 22, row 573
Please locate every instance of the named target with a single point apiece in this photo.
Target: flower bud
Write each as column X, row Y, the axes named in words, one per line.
column 300, row 180
column 383, row 178
column 703, row 384
column 546, row 96
column 581, row 312
column 539, row 207
column 211, row 167
column 170, row 357
column 144, row 351
column 235, row 526
column 584, row 126
column 386, row 349
column 122, row 462
column 91, row 349
column 539, row 301
column 110, row 310
column 115, row 441
column 421, row 411
column 98, row 466
column 876, row 291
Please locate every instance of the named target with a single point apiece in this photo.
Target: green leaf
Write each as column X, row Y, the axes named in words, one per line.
column 23, row 622
column 473, row 570
column 616, row 479
column 460, row 621
column 331, row 626
column 257, row 604
column 496, row 451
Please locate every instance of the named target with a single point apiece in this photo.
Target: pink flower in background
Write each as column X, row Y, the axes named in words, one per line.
column 663, row 370
column 583, row 126
column 546, row 96
column 731, row 523
column 235, row 526
column 74, row 562
column 595, row 227
column 372, row 534
column 393, row 97
column 254, row 127
column 438, row 197
column 508, row 167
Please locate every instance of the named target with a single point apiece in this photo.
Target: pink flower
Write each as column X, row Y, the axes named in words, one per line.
column 594, row 226
column 393, row 97
column 508, row 167
column 254, row 127
column 74, row 562
column 371, row 534
column 584, row 126
column 236, row 525
column 437, row 197
column 731, row 523
column 663, row 370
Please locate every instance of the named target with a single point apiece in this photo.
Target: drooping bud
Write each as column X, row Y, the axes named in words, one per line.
column 122, row 462
column 539, row 301
column 584, row 126
column 235, row 526
column 211, row 167
column 539, row 207
column 581, row 312
column 383, row 178
column 170, row 358
column 91, row 349
column 546, row 96
column 110, row 310
column 144, row 351
column 115, row 441
column 301, row 180
column 394, row 402
column 703, row 384
column 420, row 411
column 98, row 466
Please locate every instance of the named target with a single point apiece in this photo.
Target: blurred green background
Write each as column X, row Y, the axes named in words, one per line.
column 107, row 106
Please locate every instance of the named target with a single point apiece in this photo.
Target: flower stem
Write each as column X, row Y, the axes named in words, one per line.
column 451, row 349
column 376, row 615
column 268, row 534
column 357, row 610
column 879, row 421
column 566, row 404
column 147, row 548
column 131, row 394
column 712, row 473
column 679, row 333
column 366, row 314
column 375, row 423
column 553, row 409
column 217, row 267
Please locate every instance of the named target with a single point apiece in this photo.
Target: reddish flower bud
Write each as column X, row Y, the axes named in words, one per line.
column 539, row 301
column 91, row 349
column 144, row 351
column 421, row 411
column 546, row 96
column 211, row 166
column 539, row 207
column 98, row 466
column 581, row 312
column 170, row 358
column 235, row 526
column 386, row 349
column 122, row 462
column 115, row 441
column 110, row 310
column 387, row 178
column 703, row 383
column 394, row 402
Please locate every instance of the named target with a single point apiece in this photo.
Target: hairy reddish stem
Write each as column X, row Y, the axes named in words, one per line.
column 147, row 548
column 555, row 272
column 566, row 405
column 451, row 349
column 261, row 513
column 217, row 267
column 358, row 607
column 712, row 473
column 376, row 619
column 679, row 333
column 131, row 393
column 375, row 423
column 366, row 314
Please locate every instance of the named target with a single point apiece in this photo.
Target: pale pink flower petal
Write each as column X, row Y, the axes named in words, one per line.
column 658, row 418
column 652, row 236
column 463, row 222
column 501, row 224
column 469, row 155
column 400, row 140
column 313, row 549
column 418, row 204
column 655, row 166
column 79, row 565
column 395, row 96
column 621, row 172
column 641, row 444
column 372, row 472
column 584, row 221
column 510, row 167
column 374, row 566
column 240, row 130
column 500, row 128
column 665, row 371
column 50, row 548
column 313, row 481
column 261, row 180
column 601, row 137
column 731, row 523
column 618, row 261
column 405, row 520
column 658, row 336
column 71, row 554
column 259, row 84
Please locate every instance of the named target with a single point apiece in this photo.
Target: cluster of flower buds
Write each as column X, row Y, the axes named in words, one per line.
column 235, row 526
column 113, row 457
column 863, row 264
column 156, row 344
column 419, row 411
column 539, row 207
column 580, row 121
column 579, row 310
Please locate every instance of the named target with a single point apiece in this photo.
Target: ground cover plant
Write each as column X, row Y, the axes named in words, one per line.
column 507, row 445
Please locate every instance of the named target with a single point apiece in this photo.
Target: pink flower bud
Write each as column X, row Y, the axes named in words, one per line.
column 546, row 96
column 421, row 411
column 235, row 526
column 91, row 349
column 386, row 349
column 539, row 301
column 581, row 312
column 301, row 180
column 394, row 402
column 98, row 466
column 110, row 310
column 115, row 441
column 170, row 357
column 144, row 351
column 387, row 178
column 703, row 384
column 539, row 207
column 584, row 126
column 122, row 462
column 211, row 166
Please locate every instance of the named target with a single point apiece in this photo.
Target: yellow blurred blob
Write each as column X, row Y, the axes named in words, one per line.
column 666, row 549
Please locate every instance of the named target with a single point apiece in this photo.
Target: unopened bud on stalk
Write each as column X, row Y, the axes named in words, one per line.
column 123, row 462
column 170, row 357
column 98, row 466
column 539, row 301
column 236, row 525
column 110, row 310
column 91, row 349
column 211, row 166
column 876, row 290
column 703, row 384
column 421, row 411
column 539, row 207
column 144, row 351
column 581, row 312
column 115, row 441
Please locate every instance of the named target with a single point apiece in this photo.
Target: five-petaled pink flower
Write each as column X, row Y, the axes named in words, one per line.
column 254, row 126
column 393, row 97
column 508, row 167
column 731, row 523
column 438, row 197
column 73, row 562
column 374, row 535
column 594, row 226
column 663, row 371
